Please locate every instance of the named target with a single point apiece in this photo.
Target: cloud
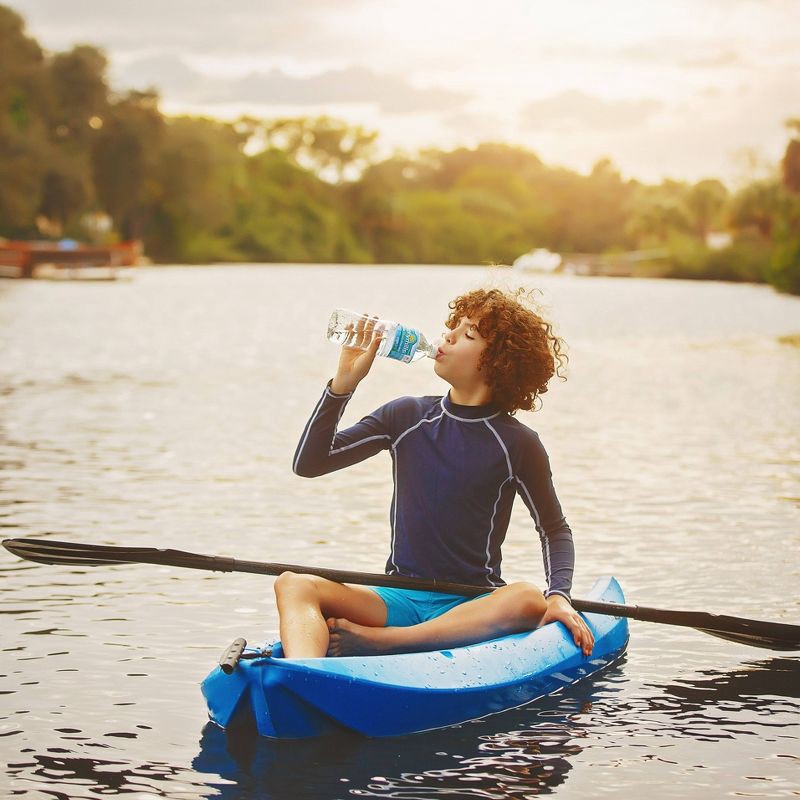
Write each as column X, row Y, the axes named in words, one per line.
column 393, row 94
column 722, row 59
column 169, row 74
column 690, row 49
column 276, row 27
column 576, row 110
column 473, row 126
column 702, row 135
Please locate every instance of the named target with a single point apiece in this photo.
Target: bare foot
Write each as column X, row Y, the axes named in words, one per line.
column 349, row 639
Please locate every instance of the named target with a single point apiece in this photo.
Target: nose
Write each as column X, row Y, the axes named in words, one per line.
column 447, row 336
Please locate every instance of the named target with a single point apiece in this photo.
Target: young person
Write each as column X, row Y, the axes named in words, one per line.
column 458, row 462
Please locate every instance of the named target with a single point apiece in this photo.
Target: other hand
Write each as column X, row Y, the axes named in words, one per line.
column 559, row 609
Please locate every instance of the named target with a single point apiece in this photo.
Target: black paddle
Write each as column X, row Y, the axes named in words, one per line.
column 769, row 635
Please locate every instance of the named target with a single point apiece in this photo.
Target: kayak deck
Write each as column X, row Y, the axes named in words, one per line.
column 411, row 692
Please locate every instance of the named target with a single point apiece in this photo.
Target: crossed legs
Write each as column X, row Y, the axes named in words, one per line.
column 319, row 617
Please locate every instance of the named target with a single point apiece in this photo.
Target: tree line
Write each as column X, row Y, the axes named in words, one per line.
column 198, row 190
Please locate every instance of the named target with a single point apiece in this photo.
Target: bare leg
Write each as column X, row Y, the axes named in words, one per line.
column 304, row 601
column 511, row 609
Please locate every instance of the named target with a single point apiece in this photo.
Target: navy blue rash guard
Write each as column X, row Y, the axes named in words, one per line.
column 456, row 471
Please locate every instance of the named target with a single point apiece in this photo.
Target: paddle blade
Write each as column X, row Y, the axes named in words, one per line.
column 753, row 632
column 785, row 640
column 51, row 552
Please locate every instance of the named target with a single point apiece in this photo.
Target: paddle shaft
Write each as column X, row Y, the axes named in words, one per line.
column 771, row 635
column 701, row 620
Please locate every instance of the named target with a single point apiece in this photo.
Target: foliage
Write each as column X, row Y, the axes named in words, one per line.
column 312, row 189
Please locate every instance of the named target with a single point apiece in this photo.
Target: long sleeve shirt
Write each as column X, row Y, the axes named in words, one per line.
column 456, row 472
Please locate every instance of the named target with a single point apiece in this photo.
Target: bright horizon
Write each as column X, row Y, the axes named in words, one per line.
column 681, row 90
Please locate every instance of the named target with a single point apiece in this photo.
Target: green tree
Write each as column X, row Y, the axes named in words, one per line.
column 66, row 189
column 24, row 143
column 790, row 164
column 80, row 92
column 199, row 170
column 655, row 217
column 334, row 149
column 287, row 213
column 372, row 203
column 705, row 202
column 125, row 160
column 758, row 206
column 784, row 268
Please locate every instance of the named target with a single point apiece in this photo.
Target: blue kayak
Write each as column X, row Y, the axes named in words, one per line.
column 391, row 695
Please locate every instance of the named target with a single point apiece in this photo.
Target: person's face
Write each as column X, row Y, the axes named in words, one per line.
column 459, row 353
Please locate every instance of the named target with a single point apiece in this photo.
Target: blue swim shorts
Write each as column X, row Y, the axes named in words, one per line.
column 411, row 606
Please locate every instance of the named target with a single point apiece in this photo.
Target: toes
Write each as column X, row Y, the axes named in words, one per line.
column 334, row 646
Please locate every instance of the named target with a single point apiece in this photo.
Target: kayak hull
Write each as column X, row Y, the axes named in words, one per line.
column 411, row 692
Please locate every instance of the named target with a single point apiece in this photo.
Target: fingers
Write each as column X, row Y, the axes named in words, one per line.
column 561, row 611
column 581, row 634
column 363, row 335
column 364, row 328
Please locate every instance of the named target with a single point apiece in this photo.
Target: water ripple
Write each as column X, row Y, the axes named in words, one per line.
column 165, row 413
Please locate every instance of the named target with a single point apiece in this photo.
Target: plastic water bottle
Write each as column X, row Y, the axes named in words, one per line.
column 399, row 342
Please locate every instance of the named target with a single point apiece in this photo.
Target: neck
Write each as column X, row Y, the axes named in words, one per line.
column 472, row 396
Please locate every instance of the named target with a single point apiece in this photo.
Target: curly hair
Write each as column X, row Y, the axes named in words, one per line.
column 522, row 352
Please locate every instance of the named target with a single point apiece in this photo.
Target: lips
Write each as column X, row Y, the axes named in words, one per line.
column 439, row 353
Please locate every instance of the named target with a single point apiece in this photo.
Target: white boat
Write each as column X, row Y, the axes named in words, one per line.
column 538, row 260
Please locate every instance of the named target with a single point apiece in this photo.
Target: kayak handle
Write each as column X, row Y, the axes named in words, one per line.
column 230, row 658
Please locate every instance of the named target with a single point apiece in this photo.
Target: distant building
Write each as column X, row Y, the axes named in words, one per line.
column 718, row 240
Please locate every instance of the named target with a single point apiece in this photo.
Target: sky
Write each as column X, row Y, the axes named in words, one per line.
column 686, row 89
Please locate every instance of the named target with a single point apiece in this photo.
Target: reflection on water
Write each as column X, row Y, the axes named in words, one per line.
column 165, row 412
column 68, row 777
column 774, row 677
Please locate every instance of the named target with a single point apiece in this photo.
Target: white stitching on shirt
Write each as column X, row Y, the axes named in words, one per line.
column 336, row 425
column 413, row 427
column 542, row 536
column 356, row 444
column 394, row 513
column 337, row 396
column 503, row 445
column 396, row 478
column 487, row 566
column 499, row 495
column 307, row 430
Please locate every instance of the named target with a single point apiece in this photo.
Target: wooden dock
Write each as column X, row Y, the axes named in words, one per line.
column 67, row 260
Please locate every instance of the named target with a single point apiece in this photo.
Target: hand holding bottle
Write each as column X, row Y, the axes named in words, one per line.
column 358, row 353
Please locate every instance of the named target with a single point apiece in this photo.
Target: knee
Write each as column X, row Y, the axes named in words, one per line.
column 527, row 604
column 290, row 584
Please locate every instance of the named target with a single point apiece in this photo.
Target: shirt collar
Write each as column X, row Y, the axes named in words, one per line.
column 469, row 413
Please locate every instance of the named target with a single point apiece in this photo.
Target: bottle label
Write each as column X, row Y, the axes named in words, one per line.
column 405, row 344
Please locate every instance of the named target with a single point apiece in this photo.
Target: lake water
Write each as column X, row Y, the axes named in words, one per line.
column 164, row 412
